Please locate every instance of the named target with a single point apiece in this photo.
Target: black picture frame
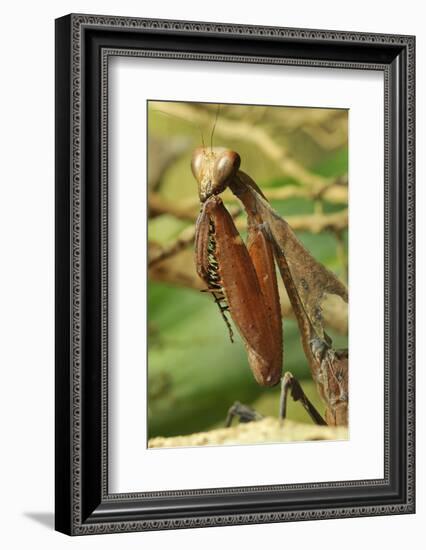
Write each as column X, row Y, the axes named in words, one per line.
column 83, row 45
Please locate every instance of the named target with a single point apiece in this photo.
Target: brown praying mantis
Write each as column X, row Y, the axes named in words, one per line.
column 243, row 282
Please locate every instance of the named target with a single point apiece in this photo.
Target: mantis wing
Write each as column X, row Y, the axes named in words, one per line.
column 311, row 281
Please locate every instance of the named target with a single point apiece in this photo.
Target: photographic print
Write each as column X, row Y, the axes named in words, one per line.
column 247, row 274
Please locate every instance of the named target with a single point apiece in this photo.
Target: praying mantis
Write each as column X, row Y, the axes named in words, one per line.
column 243, row 282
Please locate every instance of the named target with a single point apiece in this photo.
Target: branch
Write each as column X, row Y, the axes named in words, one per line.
column 336, row 193
column 188, row 209
column 313, row 223
column 158, row 254
column 241, row 130
column 158, row 205
column 178, row 269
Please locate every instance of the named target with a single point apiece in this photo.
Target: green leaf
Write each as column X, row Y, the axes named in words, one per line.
column 333, row 165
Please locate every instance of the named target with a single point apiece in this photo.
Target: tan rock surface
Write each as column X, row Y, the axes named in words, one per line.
column 268, row 430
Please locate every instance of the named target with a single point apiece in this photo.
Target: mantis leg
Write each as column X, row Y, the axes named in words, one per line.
column 289, row 382
column 243, row 412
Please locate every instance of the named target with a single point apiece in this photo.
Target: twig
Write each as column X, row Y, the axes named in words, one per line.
column 341, row 252
column 158, row 205
column 188, row 209
column 241, row 130
column 327, row 140
column 158, row 253
column 179, row 270
column 313, row 223
column 162, row 253
column 316, row 223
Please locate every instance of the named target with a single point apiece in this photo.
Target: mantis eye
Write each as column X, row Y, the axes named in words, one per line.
column 197, row 163
column 226, row 166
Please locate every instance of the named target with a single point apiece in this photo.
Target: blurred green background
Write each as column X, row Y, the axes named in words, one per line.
column 299, row 157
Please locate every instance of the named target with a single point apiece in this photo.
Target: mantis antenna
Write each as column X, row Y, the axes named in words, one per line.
column 214, row 127
column 192, row 124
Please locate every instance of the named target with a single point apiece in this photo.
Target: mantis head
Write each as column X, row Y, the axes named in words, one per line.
column 213, row 168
